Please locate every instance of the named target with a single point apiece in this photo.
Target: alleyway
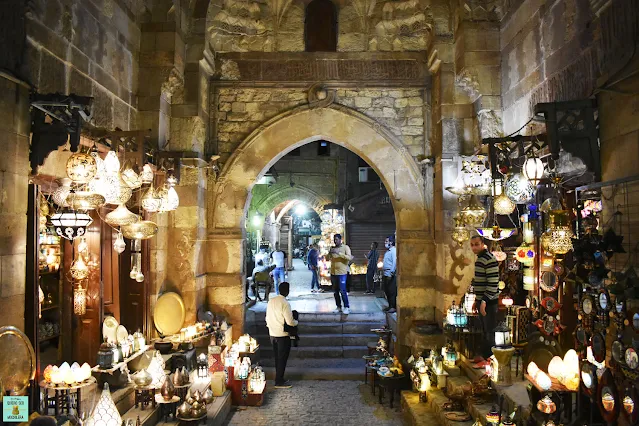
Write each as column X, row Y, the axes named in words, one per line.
column 317, row 402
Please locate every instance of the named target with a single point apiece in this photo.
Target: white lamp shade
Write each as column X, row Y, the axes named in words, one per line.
column 533, row 170
column 556, row 368
column 112, row 163
column 105, row 412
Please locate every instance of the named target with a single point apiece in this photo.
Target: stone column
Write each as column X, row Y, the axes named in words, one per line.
column 290, row 242
column 14, row 168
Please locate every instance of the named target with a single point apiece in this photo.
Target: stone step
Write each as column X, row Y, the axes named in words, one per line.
column 326, row 339
column 318, row 369
column 304, row 317
column 320, row 352
column 304, row 328
column 417, row 413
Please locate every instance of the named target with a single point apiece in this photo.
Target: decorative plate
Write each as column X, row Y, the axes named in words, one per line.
column 121, row 334
column 169, row 314
column 110, row 329
column 17, row 360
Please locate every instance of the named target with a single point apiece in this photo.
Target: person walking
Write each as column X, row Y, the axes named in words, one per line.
column 390, row 268
column 311, row 260
column 371, row 268
column 281, row 263
column 278, row 313
column 486, row 285
column 339, row 256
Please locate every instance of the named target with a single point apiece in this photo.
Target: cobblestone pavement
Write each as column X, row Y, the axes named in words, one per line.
column 319, row 402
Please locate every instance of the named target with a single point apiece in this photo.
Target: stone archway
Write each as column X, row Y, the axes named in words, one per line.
column 230, row 196
column 301, row 193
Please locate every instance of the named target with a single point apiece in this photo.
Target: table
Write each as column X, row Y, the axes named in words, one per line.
column 144, row 396
column 392, row 384
column 65, row 397
column 167, row 408
column 369, row 369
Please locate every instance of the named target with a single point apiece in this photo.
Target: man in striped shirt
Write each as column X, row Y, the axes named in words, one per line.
column 486, row 285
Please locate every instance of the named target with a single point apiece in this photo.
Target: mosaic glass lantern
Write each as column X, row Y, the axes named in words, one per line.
column 81, row 167
column 533, row 169
column 105, row 412
column 80, row 300
column 121, row 216
column 451, row 356
column 71, row 225
column 460, row 234
column 474, row 213
column 525, row 254
column 469, row 300
column 519, row 189
column 560, row 233
column 546, row 405
column 202, row 366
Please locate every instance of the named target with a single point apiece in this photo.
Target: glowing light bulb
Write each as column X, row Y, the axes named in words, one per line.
column 119, row 245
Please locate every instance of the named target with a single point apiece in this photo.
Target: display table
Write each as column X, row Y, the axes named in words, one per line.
column 66, row 398
column 144, row 396
column 167, row 408
column 392, row 385
column 239, row 388
column 182, row 390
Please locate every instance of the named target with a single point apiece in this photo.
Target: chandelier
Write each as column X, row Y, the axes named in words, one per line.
column 71, row 225
column 474, row 213
column 473, row 179
column 496, row 233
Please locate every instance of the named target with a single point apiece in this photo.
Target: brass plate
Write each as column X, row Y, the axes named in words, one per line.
column 169, row 314
column 17, row 360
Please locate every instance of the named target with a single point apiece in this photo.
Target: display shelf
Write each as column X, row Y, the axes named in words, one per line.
column 120, row 364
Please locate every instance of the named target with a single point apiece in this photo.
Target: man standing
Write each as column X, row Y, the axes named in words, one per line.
column 281, row 263
column 339, row 255
column 486, row 285
column 371, row 268
column 278, row 313
column 312, row 265
column 390, row 268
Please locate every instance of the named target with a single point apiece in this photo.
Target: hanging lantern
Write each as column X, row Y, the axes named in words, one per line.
column 116, row 191
column 503, row 205
column 141, row 230
column 121, row 216
column 150, row 202
column 529, row 233
column 496, row 233
column 529, row 279
column 460, row 234
column 85, row 200
column 79, row 300
column 474, row 213
column 533, row 170
column 525, row 254
column 519, row 189
column 130, row 177
column 119, row 245
column 546, row 405
column 147, row 174
column 550, row 204
column 62, row 192
column 81, row 167
column 458, row 187
column 168, row 198
column 507, row 301
column 469, row 300
column 560, row 233
column 79, row 269
column 71, row 225
column 105, row 412
column 499, row 254
column 111, row 163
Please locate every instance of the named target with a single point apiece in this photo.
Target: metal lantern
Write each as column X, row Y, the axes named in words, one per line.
column 71, row 225
column 79, row 300
column 502, row 335
column 559, row 240
column 150, row 202
column 503, row 205
column 533, row 170
column 141, row 230
column 460, row 234
column 474, row 213
column 202, row 366
column 81, row 167
column 121, row 216
column 61, row 192
column 79, row 269
column 496, row 233
column 119, row 245
column 519, row 189
column 85, row 200
column 493, row 416
column 451, row 356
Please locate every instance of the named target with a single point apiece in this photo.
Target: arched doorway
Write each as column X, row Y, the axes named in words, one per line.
column 230, row 197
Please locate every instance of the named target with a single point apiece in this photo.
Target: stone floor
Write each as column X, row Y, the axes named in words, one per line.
column 319, row 402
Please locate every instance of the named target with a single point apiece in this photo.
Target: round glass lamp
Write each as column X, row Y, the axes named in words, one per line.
column 81, row 167
column 503, row 205
column 150, row 202
column 499, row 254
column 519, row 189
column 119, row 245
column 130, row 177
column 525, row 254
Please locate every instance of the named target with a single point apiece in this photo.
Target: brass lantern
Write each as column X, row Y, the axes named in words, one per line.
column 460, row 234
column 559, row 240
column 474, row 213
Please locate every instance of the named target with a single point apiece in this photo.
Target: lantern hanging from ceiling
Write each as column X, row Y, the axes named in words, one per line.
column 503, row 205
column 121, row 216
column 474, row 213
column 550, row 204
column 529, row 233
column 130, row 177
column 458, row 187
column 560, row 233
column 85, row 200
column 81, row 167
column 519, row 189
column 529, row 279
column 533, row 170
column 71, row 225
column 79, row 269
column 499, row 254
column 496, row 233
column 79, row 300
column 460, row 234
column 112, row 163
column 150, row 202
column 105, row 412
column 62, row 192
column 99, row 162
column 141, row 230
column 119, row 245
column 525, row 254
column 147, row 174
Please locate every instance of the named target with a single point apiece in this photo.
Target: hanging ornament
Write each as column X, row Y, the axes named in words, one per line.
column 147, row 174
column 560, row 233
column 533, row 170
column 62, row 192
column 79, row 269
column 99, row 162
column 112, row 163
column 81, row 167
column 130, row 177
column 474, row 213
column 525, row 254
column 496, row 233
column 150, row 202
column 79, row 300
column 121, row 216
column 115, row 190
column 519, row 189
column 503, row 205
column 141, row 230
column 139, row 277
column 460, row 234
column 119, row 245
column 85, row 200
column 499, row 254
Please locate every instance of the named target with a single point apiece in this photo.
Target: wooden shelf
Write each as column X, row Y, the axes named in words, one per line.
column 120, row 364
column 44, row 339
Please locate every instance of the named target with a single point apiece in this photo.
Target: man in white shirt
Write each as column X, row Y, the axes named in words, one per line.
column 278, row 313
column 281, row 263
column 390, row 268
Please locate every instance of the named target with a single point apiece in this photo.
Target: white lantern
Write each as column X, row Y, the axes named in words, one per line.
column 112, row 163
column 533, row 170
column 71, row 225
column 105, row 412
column 62, row 192
column 119, row 245
column 147, row 174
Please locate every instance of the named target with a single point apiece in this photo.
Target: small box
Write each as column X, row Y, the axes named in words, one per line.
column 217, row 383
column 216, row 358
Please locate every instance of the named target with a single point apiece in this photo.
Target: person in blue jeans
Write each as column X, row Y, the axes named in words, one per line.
column 339, row 256
column 311, row 260
column 280, row 261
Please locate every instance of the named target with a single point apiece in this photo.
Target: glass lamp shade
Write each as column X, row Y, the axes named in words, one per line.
column 130, row 177
column 169, row 199
column 156, row 370
column 503, row 205
column 62, row 192
column 117, row 192
column 628, row 404
column 460, row 234
column 119, row 245
column 546, row 405
column 529, row 279
column 79, row 300
column 141, row 230
column 608, row 401
column 556, row 368
column 105, row 412
column 502, row 335
column 571, row 362
column 525, row 254
column 112, row 163
column 99, row 162
column 71, row 225
column 79, row 269
column 85, row 200
column 474, row 213
column 150, row 202
column 496, row 233
column 81, row 167
column 507, row 301
column 543, row 380
column 121, row 216
column 147, row 174
column 519, row 189
column 586, row 377
column 533, row 170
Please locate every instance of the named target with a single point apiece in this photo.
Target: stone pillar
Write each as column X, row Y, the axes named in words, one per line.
column 14, row 168
column 290, row 242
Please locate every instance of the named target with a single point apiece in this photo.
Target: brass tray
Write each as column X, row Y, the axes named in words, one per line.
column 169, row 314
column 17, row 360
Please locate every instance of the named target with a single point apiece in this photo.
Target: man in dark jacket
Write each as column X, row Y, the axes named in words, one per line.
column 371, row 268
column 311, row 260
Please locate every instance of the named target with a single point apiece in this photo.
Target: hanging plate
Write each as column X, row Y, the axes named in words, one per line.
column 17, row 360
column 110, row 329
column 122, row 334
column 169, row 314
